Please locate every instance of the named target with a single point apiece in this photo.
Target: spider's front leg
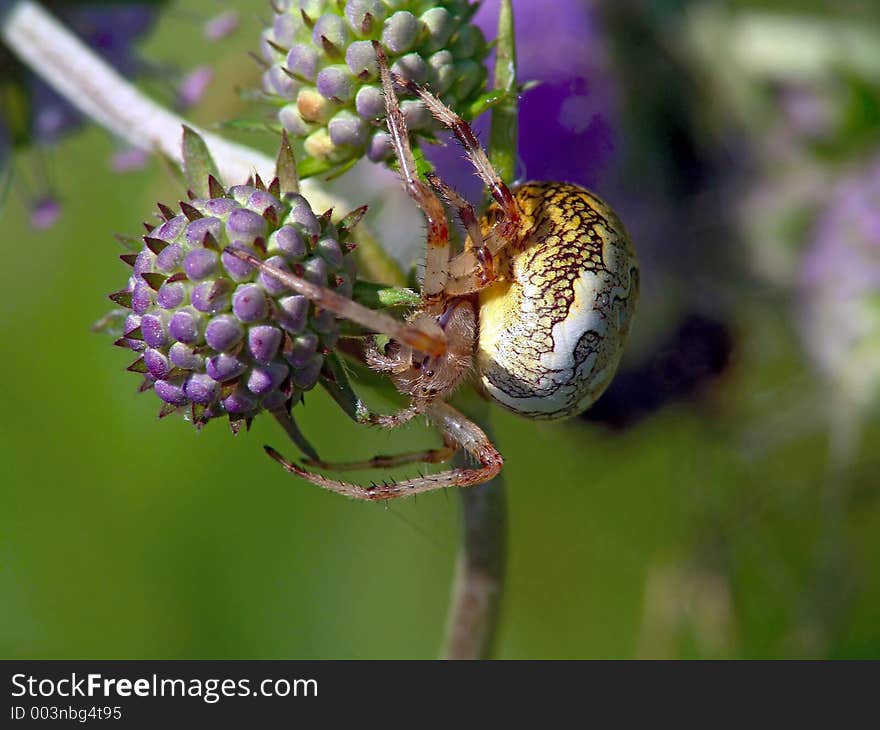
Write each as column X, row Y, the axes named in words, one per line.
column 457, row 431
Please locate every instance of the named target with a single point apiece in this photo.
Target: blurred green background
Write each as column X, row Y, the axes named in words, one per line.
column 740, row 518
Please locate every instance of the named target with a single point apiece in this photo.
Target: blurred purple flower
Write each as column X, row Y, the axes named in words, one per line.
column 566, row 132
column 193, row 86
column 220, row 26
column 128, row 159
column 45, row 213
column 839, row 288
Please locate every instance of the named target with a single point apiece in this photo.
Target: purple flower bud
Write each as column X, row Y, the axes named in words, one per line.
column 198, row 229
column 330, row 250
column 356, row 12
column 171, row 295
column 287, row 241
column 379, row 148
column 141, row 297
column 220, row 207
column 315, row 271
column 347, row 129
column 45, row 212
column 157, row 364
column 267, row 377
column 193, row 86
column 331, row 29
column 261, row 201
column 128, row 159
column 239, row 402
column 291, row 120
column 293, row 312
column 274, row 79
column 400, row 32
column 249, row 303
column 171, row 230
column 201, row 388
column 441, row 74
column 270, row 283
column 224, row 367
column 323, row 322
column 306, row 376
column 236, row 268
column 200, row 263
column 143, row 264
column 169, row 258
column 411, row 66
column 285, row 28
column 154, row 330
column 275, row 400
column 302, row 215
column 242, row 193
column 243, row 226
column 171, row 392
column 183, row 356
column 302, row 350
column 361, row 60
column 220, row 26
column 369, row 103
column 223, row 332
column 211, row 298
column 334, row 82
column 184, row 326
column 302, row 60
column 440, row 25
column 263, row 342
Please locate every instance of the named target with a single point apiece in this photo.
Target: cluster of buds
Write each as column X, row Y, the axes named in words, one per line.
column 322, row 71
column 213, row 334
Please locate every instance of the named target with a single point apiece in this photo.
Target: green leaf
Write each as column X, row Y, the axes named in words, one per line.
column 503, row 133
column 379, row 296
column 197, row 163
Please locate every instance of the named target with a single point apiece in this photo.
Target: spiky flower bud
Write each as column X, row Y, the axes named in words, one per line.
column 214, row 335
column 323, row 73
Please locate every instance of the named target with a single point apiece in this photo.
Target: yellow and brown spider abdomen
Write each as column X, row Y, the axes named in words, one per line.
column 552, row 330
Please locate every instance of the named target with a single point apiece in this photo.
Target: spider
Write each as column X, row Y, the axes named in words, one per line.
column 535, row 309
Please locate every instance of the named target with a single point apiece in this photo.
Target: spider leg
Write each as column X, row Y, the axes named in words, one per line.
column 383, row 461
column 462, row 130
column 437, row 256
column 456, row 430
column 432, row 343
column 464, row 209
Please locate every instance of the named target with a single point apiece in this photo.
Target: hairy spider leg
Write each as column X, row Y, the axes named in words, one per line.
column 432, row 343
column 463, row 208
column 437, row 255
column 456, row 429
column 385, row 461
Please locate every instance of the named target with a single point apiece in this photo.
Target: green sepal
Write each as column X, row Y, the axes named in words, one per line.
column 379, row 296
column 197, row 163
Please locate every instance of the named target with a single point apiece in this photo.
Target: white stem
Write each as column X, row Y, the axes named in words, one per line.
column 99, row 92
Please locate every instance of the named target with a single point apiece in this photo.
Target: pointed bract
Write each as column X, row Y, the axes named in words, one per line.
column 197, row 163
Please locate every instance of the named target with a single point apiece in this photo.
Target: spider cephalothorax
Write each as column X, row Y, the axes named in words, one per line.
column 536, row 308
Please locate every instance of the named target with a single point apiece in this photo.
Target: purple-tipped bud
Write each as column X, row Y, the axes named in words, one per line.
column 239, row 402
column 261, row 201
column 302, row 350
column 272, row 286
column 198, row 229
column 315, row 271
column 306, row 376
column 364, row 16
column 184, row 356
column 293, row 313
column 347, row 129
column 288, row 242
column 201, row 388
column 171, row 295
column 144, row 263
column 223, row 332
column 249, row 303
column 330, row 250
column 235, row 267
column 369, row 103
column 208, row 299
column 157, row 364
column 244, row 226
column 440, row 25
column 263, row 342
column 323, row 322
column 379, row 148
column 335, row 82
column 171, row 391
column 411, row 66
column 169, row 258
column 301, row 214
column 330, row 29
column 154, row 330
column 302, row 60
column 141, row 298
column 220, row 207
column 401, row 31
column 171, row 230
column 184, row 326
column 361, row 60
column 200, row 263
column 224, row 367
column 291, row 120
column 265, row 378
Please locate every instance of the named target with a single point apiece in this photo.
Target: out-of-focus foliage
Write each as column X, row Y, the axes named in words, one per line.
column 721, row 500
